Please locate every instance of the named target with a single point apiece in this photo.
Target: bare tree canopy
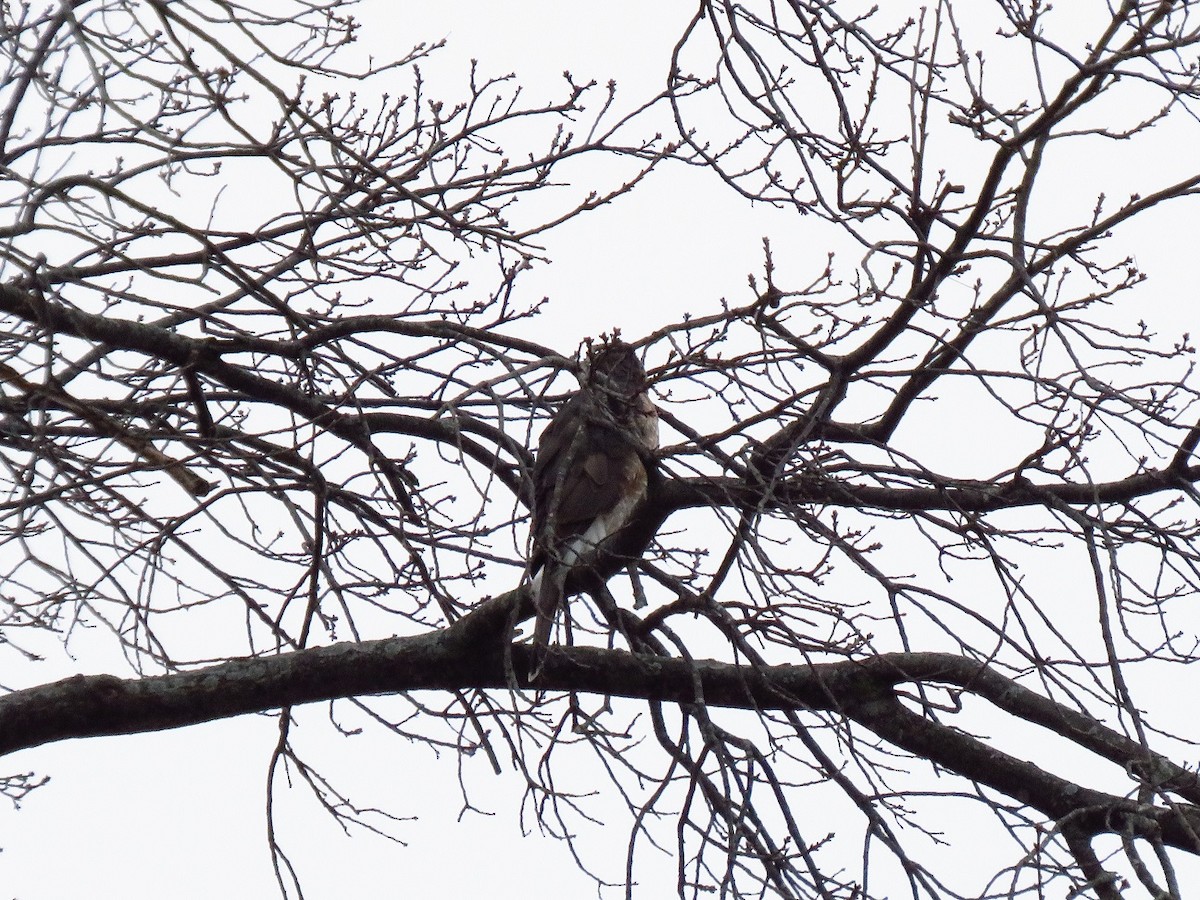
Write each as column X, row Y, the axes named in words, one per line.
column 917, row 547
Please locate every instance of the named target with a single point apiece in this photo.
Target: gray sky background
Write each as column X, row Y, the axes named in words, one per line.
column 180, row 814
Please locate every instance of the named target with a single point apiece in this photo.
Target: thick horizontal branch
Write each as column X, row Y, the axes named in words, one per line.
column 201, row 356
column 180, row 350
column 474, row 654
column 954, row 495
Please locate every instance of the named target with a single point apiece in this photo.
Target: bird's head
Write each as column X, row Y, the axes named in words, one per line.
column 613, row 369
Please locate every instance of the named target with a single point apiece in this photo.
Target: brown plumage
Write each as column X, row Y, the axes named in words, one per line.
column 590, row 475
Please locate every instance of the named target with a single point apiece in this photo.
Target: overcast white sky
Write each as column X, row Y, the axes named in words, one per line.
column 180, row 814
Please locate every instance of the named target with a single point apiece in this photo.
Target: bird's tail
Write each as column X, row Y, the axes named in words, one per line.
column 547, row 597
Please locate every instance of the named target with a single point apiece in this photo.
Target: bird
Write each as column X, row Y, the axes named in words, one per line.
column 591, row 474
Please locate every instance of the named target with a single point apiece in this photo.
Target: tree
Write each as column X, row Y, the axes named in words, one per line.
column 925, row 502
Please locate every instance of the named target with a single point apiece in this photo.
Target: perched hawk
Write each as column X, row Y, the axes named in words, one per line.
column 590, row 474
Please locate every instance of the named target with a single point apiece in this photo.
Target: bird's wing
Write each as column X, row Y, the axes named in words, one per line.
column 581, row 471
column 584, row 483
